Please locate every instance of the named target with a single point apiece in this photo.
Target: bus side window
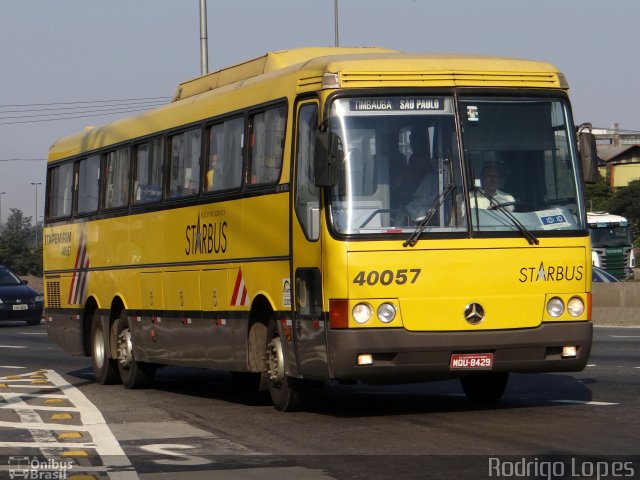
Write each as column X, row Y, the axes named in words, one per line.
column 224, row 155
column 117, row 178
column 88, row 184
column 185, row 164
column 60, row 193
column 148, row 172
column 267, row 143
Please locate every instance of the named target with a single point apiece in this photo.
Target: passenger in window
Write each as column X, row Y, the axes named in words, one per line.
column 408, row 174
column 424, row 196
column 211, row 172
column 415, row 184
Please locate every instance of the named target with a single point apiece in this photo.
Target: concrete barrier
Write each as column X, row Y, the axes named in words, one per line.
column 616, row 304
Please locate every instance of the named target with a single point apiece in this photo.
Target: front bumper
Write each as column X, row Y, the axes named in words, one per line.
column 32, row 313
column 402, row 356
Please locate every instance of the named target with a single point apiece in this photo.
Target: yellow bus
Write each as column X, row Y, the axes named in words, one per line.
column 328, row 214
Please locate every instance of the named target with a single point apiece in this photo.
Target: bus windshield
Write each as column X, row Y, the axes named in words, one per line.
column 400, row 166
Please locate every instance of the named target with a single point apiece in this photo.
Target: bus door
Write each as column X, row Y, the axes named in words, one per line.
column 309, row 325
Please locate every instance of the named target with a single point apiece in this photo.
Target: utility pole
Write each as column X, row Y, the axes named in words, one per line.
column 204, row 52
column 35, row 218
column 335, row 16
column 1, row 193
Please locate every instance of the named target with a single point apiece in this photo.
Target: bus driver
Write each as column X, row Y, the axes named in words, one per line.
column 490, row 179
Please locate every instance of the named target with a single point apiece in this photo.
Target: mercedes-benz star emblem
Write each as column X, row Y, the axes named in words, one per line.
column 474, row 313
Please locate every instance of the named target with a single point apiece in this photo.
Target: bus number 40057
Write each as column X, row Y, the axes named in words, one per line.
column 387, row 277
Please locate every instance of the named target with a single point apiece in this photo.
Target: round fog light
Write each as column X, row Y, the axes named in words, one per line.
column 362, row 313
column 386, row 312
column 575, row 307
column 555, row 307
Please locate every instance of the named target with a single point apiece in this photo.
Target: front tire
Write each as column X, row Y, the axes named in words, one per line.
column 105, row 369
column 485, row 387
column 134, row 374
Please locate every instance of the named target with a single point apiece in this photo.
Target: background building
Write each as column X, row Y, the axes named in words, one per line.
column 619, row 153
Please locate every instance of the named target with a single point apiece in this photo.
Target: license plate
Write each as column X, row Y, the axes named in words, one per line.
column 466, row 361
column 22, row 306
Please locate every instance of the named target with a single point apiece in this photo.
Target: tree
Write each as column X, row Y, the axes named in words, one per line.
column 598, row 196
column 626, row 202
column 17, row 245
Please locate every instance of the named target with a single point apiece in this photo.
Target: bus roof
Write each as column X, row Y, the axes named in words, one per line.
column 352, row 68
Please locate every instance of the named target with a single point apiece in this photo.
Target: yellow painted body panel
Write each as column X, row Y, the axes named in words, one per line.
column 176, row 259
column 434, row 281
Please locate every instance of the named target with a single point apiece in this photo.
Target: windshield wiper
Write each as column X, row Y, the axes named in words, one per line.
column 531, row 238
column 413, row 238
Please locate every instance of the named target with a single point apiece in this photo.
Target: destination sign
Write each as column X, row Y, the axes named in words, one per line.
column 394, row 104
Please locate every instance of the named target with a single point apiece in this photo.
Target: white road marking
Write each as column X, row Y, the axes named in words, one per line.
column 12, row 367
column 624, row 336
column 115, row 462
column 592, row 365
column 584, row 402
column 33, row 333
column 13, row 346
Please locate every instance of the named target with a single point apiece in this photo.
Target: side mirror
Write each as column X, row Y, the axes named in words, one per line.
column 589, row 156
column 325, row 160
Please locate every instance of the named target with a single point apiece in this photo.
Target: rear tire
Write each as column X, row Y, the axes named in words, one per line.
column 134, row 374
column 105, row 369
column 34, row 321
column 485, row 387
column 284, row 390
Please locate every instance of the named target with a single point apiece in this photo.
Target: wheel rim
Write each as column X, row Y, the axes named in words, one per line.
column 98, row 347
column 125, row 348
column 275, row 362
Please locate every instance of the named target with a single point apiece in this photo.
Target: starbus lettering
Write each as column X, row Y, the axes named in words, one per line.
column 552, row 273
column 206, row 238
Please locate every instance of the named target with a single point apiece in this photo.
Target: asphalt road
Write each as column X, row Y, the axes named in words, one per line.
column 203, row 424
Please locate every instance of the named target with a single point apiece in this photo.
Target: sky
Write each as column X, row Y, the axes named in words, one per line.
column 57, row 52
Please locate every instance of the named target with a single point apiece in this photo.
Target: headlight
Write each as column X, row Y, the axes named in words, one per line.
column 39, row 298
column 1, row 302
column 362, row 313
column 386, row 312
column 575, row 307
column 555, row 307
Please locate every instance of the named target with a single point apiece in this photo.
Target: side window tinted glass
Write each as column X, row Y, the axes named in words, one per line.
column 117, row 178
column 267, row 143
column 60, row 181
column 148, row 180
column 88, row 184
column 185, row 164
column 224, row 157
column 306, row 196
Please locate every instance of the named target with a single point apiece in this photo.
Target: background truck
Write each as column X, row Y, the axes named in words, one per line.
column 611, row 244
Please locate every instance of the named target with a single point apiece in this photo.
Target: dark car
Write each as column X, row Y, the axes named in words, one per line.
column 17, row 301
column 602, row 276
